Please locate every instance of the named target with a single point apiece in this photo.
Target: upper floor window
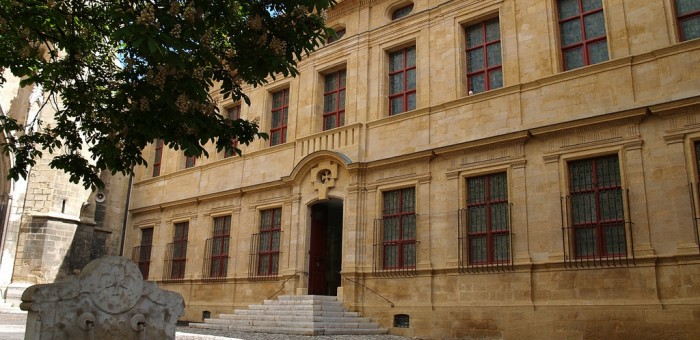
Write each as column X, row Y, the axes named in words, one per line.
column 484, row 69
column 336, row 36
column 280, row 110
column 688, row 15
column 402, row 80
column 402, row 12
column 157, row 157
column 582, row 29
column 190, row 161
column 232, row 113
column 334, row 100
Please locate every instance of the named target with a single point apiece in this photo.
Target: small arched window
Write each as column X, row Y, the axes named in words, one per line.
column 339, row 33
column 402, row 12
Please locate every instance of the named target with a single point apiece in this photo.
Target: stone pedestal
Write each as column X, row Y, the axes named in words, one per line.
column 108, row 300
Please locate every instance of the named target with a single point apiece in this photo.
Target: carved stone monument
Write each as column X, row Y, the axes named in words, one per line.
column 108, row 300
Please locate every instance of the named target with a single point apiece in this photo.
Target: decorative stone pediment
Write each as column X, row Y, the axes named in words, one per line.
column 108, row 300
column 323, row 177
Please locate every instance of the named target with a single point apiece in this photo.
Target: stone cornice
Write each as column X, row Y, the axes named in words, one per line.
column 675, row 108
column 585, row 124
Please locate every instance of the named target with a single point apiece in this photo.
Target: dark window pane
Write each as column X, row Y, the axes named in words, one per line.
column 475, row 36
column 496, row 79
column 476, row 83
column 411, row 101
column 396, row 61
column 573, row 58
column 690, row 28
column 477, row 219
column 411, row 79
column 493, row 31
column 477, row 249
column 589, row 5
column 341, row 100
column 397, row 105
column 615, row 242
column 493, row 53
column 396, row 83
column 583, row 208
column 409, row 255
column 402, row 12
column 499, row 217
column 571, row 33
column 501, row 248
column 410, row 56
column 568, row 8
column 595, row 25
column 475, row 60
column 331, row 82
column 585, row 242
column 687, row 6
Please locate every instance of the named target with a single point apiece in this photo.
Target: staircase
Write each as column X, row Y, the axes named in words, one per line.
column 296, row 314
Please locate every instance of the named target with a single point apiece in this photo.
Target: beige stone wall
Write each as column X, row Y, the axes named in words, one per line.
column 642, row 105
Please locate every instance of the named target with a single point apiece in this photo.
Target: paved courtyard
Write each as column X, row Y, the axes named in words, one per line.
column 12, row 323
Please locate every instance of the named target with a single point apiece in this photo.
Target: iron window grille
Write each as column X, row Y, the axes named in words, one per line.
column 694, row 191
column 595, row 231
column 688, row 18
column 484, row 60
column 485, row 238
column 280, row 110
column 265, row 246
column 402, row 12
column 234, row 113
column 176, row 254
column 216, row 250
column 582, row 31
column 334, row 100
column 157, row 157
column 402, row 80
column 142, row 253
column 395, row 244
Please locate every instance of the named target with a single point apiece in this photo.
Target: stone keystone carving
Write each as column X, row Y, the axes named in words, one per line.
column 108, row 300
column 323, row 177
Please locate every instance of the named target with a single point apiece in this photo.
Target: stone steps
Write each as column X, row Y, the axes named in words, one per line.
column 298, row 315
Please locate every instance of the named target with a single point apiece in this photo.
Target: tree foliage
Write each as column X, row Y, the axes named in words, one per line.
column 121, row 73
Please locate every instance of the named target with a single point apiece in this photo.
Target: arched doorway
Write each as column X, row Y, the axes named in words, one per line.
column 325, row 248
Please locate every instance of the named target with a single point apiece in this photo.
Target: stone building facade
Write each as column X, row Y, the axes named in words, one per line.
column 493, row 168
column 51, row 227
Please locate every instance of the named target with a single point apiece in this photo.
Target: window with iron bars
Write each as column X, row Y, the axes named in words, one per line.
column 596, row 232
column 176, row 253
column 688, row 18
column 216, row 249
column 142, row 253
column 694, row 191
column 582, row 31
column 395, row 234
column 265, row 246
column 485, row 237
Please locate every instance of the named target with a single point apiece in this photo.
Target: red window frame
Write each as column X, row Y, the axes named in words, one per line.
column 268, row 257
column 233, row 114
column 219, row 249
column 179, row 259
column 584, row 43
column 402, row 72
column 157, row 157
column 399, row 241
column 683, row 17
column 278, row 129
column 490, row 205
column 484, row 45
column 336, row 90
column 190, row 161
column 402, row 12
column 603, row 193
column 144, row 260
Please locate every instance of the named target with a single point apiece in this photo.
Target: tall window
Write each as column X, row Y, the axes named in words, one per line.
column 582, row 28
column 269, row 248
column 218, row 262
column 488, row 220
column 143, row 252
column 484, row 69
column 179, row 251
column 157, row 157
column 280, row 108
column 402, row 80
column 334, row 100
column 190, row 161
column 596, row 208
column 233, row 114
column 399, row 229
column 688, row 15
